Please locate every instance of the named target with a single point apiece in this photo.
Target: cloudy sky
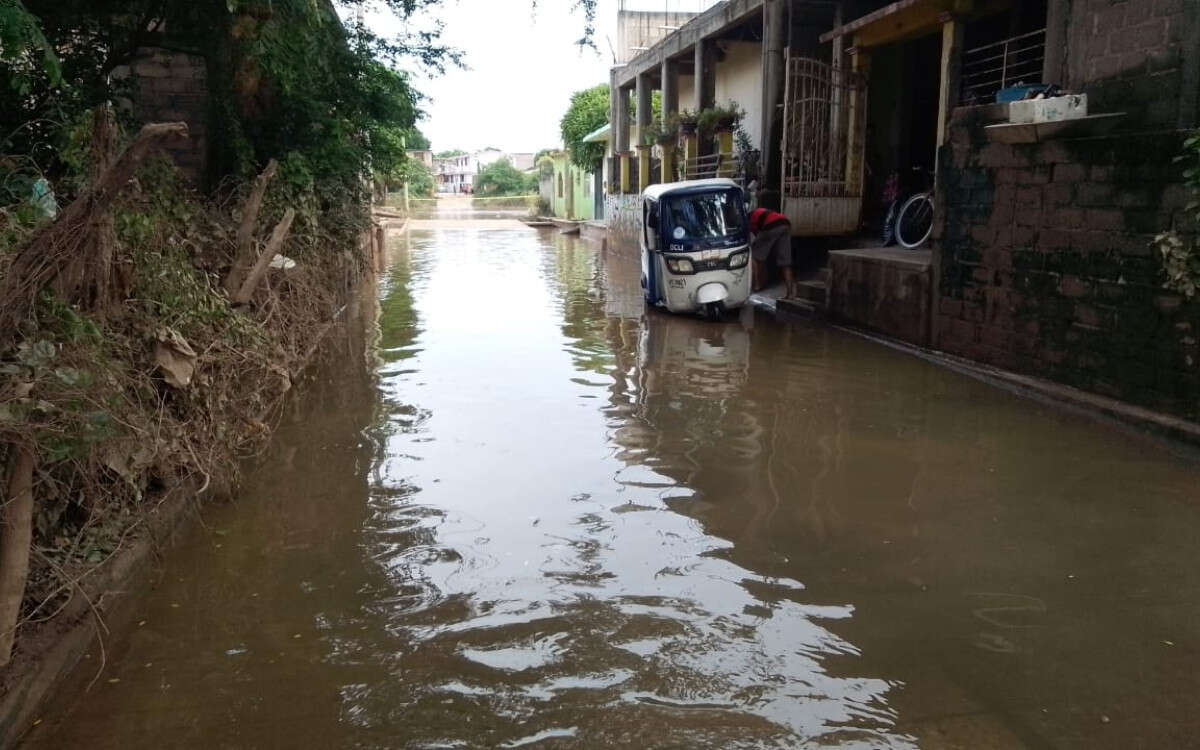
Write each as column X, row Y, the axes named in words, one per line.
column 523, row 66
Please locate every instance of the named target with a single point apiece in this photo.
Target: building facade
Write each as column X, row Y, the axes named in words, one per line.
column 1040, row 260
column 573, row 190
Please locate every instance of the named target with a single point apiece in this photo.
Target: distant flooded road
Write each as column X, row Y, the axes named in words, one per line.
column 545, row 517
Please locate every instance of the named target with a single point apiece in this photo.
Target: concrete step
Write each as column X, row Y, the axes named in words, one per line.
column 800, row 307
column 816, row 292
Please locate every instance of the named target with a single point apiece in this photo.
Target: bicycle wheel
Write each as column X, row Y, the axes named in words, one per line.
column 914, row 223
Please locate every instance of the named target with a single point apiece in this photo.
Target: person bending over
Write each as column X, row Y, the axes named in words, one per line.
column 771, row 238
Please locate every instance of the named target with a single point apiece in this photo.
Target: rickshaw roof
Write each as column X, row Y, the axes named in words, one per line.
column 686, row 187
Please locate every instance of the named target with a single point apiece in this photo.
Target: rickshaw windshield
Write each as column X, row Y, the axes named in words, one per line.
column 702, row 216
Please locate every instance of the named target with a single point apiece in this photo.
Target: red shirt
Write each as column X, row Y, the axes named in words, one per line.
column 762, row 219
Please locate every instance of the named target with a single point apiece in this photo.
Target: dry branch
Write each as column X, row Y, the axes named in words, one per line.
column 264, row 260
column 52, row 253
column 245, row 233
column 16, row 536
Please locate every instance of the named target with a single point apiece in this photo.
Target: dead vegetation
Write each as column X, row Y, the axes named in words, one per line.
column 146, row 342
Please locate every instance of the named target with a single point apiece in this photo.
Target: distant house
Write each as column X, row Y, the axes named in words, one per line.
column 423, row 155
column 523, row 161
column 456, row 174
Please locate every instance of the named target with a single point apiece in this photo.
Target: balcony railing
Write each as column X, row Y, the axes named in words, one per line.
column 737, row 167
column 987, row 69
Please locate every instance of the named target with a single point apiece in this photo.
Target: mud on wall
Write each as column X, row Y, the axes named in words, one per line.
column 623, row 215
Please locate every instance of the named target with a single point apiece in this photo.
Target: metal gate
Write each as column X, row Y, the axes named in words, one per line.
column 824, row 122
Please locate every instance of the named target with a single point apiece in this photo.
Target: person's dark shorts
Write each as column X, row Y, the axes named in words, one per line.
column 777, row 242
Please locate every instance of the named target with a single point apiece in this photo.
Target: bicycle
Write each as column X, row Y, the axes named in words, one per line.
column 910, row 220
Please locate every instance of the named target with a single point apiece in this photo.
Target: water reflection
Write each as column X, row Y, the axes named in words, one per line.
column 550, row 582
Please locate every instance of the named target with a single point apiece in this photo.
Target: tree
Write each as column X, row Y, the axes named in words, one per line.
column 450, row 154
column 419, row 179
column 502, row 178
column 415, row 140
column 587, row 112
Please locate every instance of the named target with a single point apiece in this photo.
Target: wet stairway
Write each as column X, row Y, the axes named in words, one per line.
column 812, row 290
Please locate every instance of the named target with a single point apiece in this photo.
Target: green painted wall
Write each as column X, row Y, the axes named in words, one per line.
column 573, row 191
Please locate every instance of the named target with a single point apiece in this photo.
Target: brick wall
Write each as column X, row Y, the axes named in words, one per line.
column 1129, row 56
column 1042, row 250
column 1045, row 265
column 172, row 87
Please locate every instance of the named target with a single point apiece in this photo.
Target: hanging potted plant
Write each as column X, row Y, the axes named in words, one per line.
column 689, row 121
column 726, row 119
column 706, row 122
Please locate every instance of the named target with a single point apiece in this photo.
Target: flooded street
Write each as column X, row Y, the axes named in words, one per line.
column 545, row 517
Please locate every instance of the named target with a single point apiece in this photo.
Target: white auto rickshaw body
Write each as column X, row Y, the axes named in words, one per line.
column 695, row 241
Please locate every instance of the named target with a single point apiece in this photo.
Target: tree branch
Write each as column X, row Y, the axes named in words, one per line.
column 264, row 261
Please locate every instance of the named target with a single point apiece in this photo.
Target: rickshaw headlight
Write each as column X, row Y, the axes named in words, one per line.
column 680, row 265
column 737, row 260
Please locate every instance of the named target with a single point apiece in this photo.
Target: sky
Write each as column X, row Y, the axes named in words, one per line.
column 523, row 66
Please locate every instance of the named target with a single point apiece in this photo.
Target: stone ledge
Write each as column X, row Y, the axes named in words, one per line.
column 916, row 259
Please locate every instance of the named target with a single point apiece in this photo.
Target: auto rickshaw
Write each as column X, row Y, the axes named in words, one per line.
column 695, row 246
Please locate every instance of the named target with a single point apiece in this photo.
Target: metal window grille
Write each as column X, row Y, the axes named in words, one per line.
column 987, row 69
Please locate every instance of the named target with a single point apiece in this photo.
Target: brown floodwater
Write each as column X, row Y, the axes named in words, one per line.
column 541, row 516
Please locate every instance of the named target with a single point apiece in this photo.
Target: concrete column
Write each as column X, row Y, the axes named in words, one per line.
column 670, row 89
column 704, row 80
column 643, row 166
column 839, row 81
column 772, row 91
column 667, row 170
column 952, row 42
column 643, row 105
column 691, row 150
column 860, row 62
column 725, row 151
column 621, row 122
column 626, row 175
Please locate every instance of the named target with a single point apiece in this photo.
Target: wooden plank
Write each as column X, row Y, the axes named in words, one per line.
column 870, row 18
column 904, row 19
column 952, row 42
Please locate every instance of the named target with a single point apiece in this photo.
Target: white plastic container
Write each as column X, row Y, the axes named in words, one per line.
column 1067, row 107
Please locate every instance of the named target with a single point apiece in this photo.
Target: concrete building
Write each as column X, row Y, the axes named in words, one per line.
column 456, row 174
column 573, row 190
column 641, row 25
column 423, row 155
column 522, row 160
column 1040, row 260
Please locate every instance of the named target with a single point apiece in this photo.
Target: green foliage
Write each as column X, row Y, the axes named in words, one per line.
column 1180, row 254
column 419, row 179
column 587, row 112
column 450, row 154
column 720, row 117
column 24, row 49
column 689, row 120
column 501, row 178
column 415, row 140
